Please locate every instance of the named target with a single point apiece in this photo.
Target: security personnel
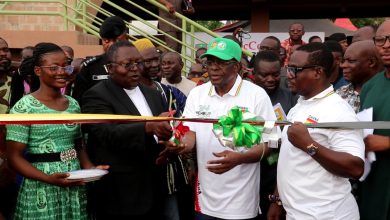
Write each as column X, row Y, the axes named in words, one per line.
column 93, row 68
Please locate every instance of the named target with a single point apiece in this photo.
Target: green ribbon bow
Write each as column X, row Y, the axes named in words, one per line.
column 243, row 134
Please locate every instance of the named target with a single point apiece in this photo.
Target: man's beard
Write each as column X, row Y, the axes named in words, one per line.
column 6, row 66
column 154, row 74
column 156, row 78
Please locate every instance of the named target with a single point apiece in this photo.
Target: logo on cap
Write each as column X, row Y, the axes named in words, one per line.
column 221, row 45
column 213, row 45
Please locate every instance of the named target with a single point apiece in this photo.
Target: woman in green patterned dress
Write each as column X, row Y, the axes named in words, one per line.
column 51, row 150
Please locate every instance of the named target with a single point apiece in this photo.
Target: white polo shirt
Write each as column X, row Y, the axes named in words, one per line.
column 233, row 194
column 307, row 190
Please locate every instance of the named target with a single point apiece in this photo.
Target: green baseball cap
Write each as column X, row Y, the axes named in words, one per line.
column 224, row 49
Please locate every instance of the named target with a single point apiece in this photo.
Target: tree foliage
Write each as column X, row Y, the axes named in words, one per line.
column 211, row 25
column 360, row 22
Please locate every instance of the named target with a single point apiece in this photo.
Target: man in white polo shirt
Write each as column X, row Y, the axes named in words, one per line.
column 228, row 181
column 315, row 164
column 171, row 66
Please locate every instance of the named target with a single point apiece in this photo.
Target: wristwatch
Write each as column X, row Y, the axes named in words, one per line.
column 311, row 149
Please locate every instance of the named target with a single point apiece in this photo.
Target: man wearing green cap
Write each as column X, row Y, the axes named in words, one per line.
column 228, row 180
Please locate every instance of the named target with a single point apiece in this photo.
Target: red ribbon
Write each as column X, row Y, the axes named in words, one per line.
column 179, row 131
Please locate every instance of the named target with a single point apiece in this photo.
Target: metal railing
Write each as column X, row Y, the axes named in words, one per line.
column 77, row 14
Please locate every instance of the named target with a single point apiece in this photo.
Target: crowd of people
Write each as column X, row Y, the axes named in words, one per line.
column 295, row 172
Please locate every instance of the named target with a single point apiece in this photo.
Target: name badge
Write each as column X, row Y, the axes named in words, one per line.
column 99, row 77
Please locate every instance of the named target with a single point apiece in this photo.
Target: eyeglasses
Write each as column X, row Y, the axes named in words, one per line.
column 219, row 63
column 129, row 66
column 381, row 40
column 55, row 68
column 293, row 70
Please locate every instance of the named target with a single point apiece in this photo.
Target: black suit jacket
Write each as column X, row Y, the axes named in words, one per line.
column 133, row 183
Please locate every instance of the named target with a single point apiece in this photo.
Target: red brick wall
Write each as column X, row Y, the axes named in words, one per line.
column 35, row 22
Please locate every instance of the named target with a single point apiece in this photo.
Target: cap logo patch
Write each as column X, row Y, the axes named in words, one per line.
column 213, row 45
column 221, row 46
